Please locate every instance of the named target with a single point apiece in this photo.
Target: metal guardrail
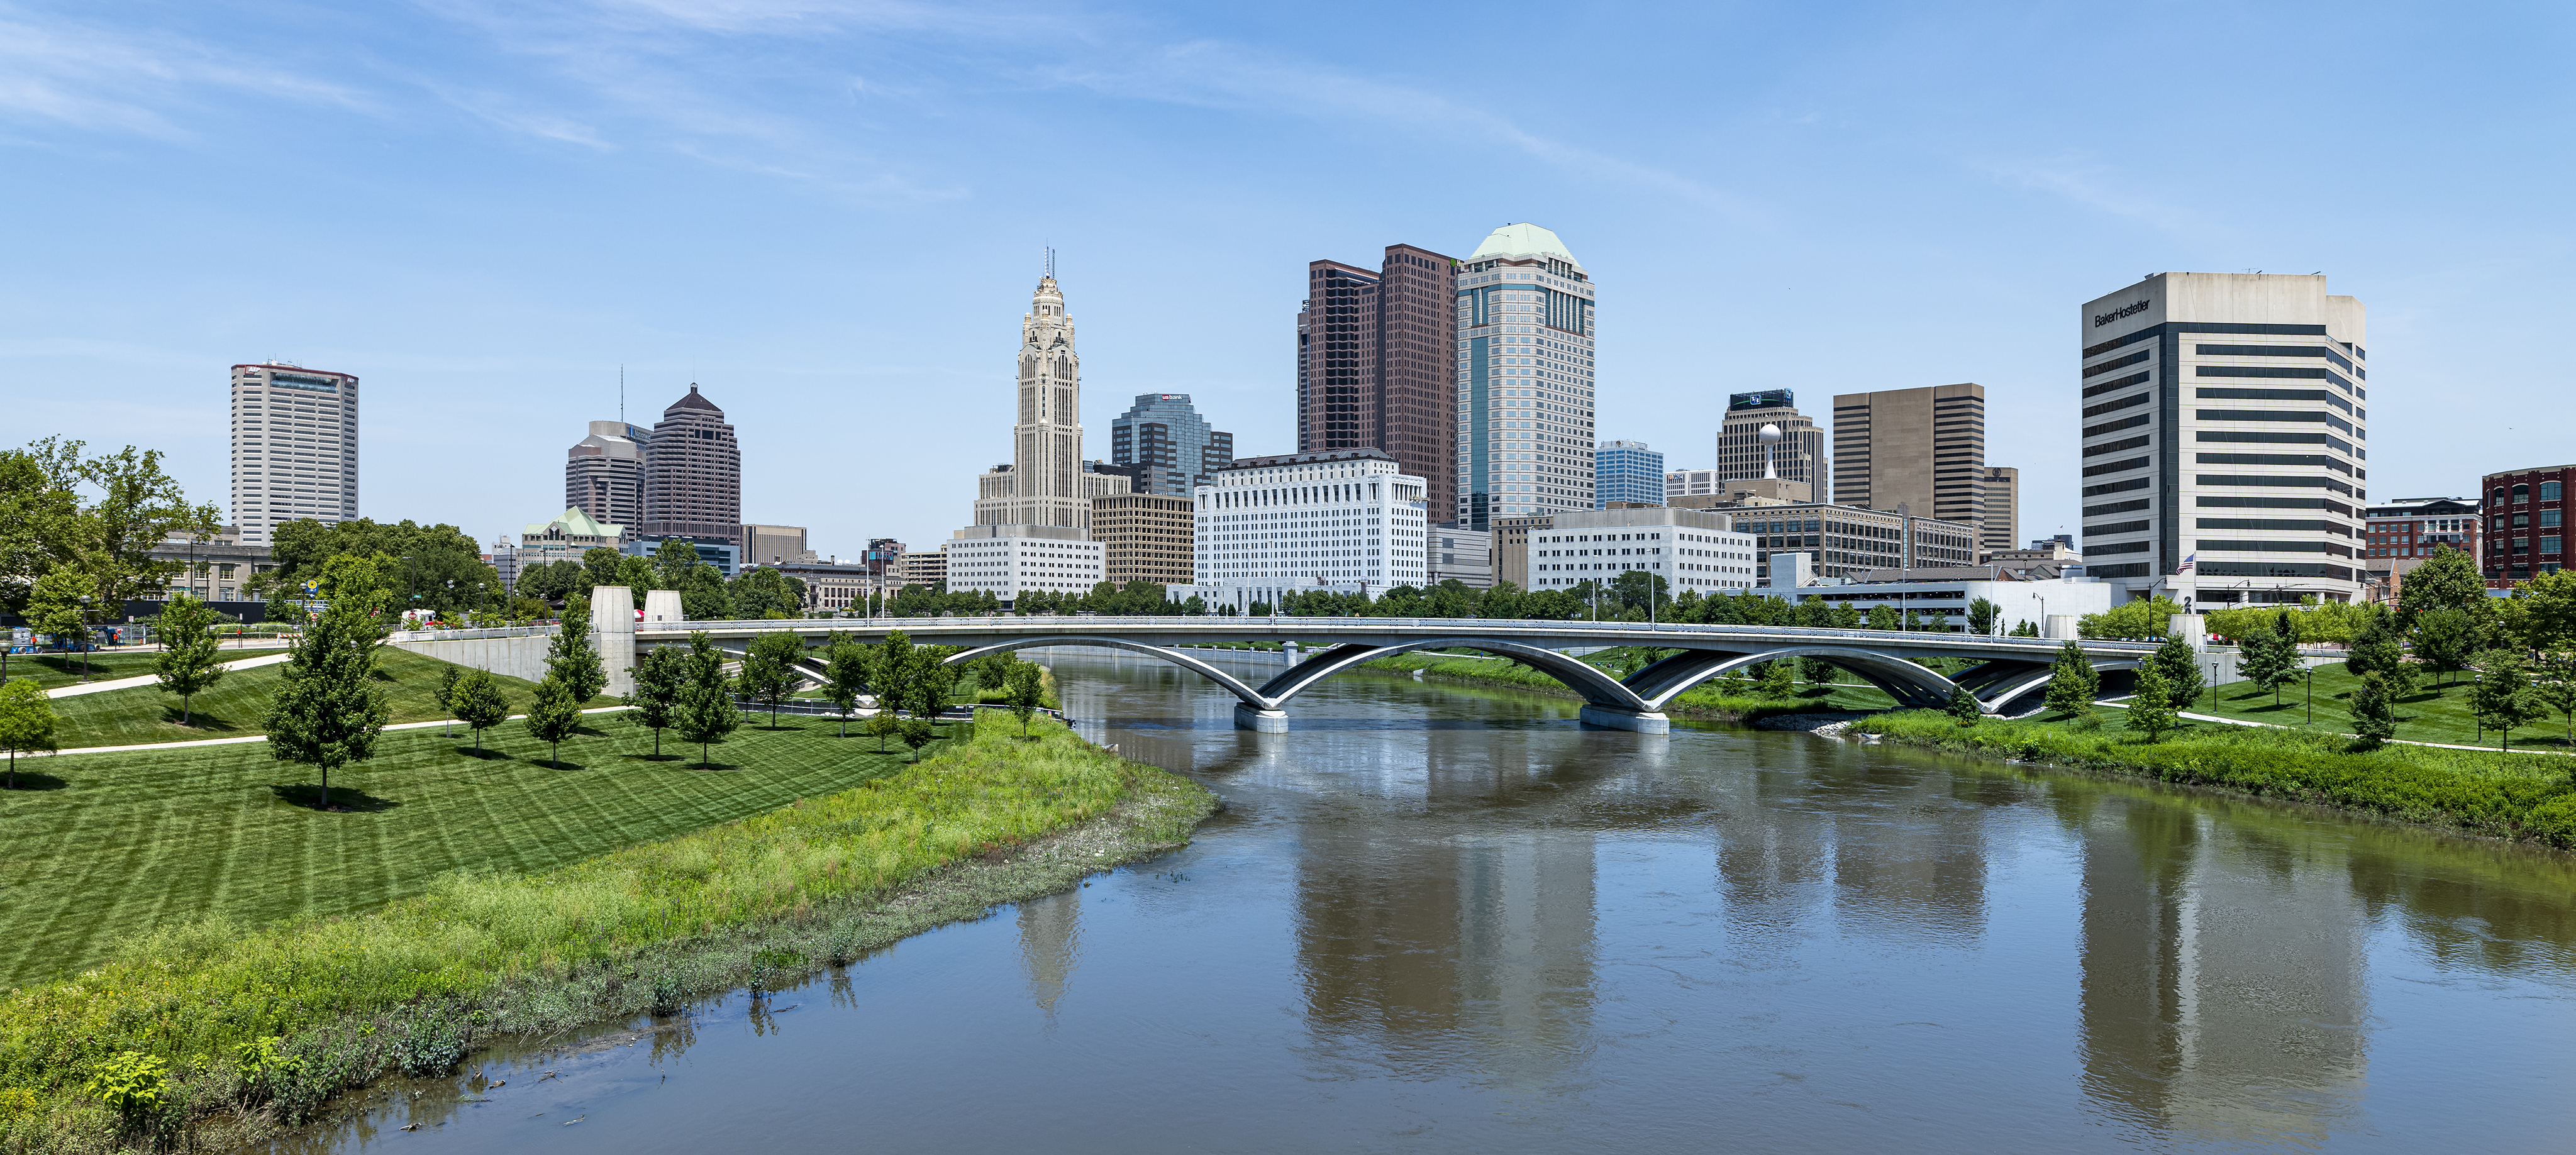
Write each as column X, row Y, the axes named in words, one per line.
column 469, row 635
column 808, row 707
column 1322, row 625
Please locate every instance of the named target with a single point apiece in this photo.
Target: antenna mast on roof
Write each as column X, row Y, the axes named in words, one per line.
column 621, row 394
column 1050, row 262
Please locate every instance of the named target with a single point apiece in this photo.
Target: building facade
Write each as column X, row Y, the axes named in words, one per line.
column 218, row 569
column 295, row 448
column 1465, row 556
column 1373, row 352
column 1166, row 437
column 1844, row 541
column 926, row 568
column 1692, row 482
column 1524, row 403
column 1008, row 560
column 1798, row 456
column 1348, row 520
column 570, row 535
column 1921, row 450
column 2225, row 432
column 693, row 474
column 885, row 557
column 604, row 473
column 1146, row 537
column 1626, row 471
column 2525, row 528
column 1511, row 547
column 1690, row 549
column 775, row 545
column 1939, row 598
column 2003, row 508
column 1043, row 486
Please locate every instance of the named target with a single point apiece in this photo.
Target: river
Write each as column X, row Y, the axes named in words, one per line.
column 1444, row 919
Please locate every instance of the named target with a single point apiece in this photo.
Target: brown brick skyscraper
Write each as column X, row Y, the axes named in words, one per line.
column 693, row 474
column 1373, row 363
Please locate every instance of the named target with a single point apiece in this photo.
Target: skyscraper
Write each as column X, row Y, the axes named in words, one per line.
column 2003, row 510
column 1524, row 402
column 1627, row 471
column 1163, row 433
column 604, row 473
column 2252, row 491
column 295, row 447
column 1920, row 450
column 1043, row 484
column 1373, row 362
column 693, row 474
column 1800, row 453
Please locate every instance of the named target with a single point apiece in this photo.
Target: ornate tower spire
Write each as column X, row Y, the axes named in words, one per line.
column 1044, row 483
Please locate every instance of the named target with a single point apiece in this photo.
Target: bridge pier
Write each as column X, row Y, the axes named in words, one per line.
column 1612, row 717
column 1260, row 721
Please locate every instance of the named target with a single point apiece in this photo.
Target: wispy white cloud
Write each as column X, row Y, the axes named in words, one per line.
column 112, row 80
column 2099, row 187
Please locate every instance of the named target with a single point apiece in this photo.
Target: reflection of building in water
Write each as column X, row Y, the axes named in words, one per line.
column 2222, row 992
column 1911, row 866
column 1451, row 951
column 1050, row 937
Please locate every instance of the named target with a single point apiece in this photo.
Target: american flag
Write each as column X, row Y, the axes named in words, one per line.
column 2185, row 567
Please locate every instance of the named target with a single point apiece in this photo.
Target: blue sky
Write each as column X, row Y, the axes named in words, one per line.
column 830, row 215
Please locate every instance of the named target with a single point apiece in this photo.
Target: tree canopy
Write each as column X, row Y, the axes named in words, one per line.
column 94, row 518
column 433, row 567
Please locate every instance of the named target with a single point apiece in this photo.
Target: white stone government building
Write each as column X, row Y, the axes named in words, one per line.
column 1345, row 520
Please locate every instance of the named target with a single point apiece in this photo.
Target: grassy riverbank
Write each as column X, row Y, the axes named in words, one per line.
column 259, row 1026
column 1702, row 701
column 233, row 708
column 2513, row 796
column 2435, row 712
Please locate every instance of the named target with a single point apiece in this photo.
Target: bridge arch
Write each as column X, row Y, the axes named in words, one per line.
column 1595, row 684
column 1910, row 684
column 1248, row 695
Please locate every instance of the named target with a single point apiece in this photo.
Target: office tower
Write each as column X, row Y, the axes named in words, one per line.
column 2003, row 509
column 774, row 545
column 604, row 473
column 693, row 475
column 1043, row 485
column 1373, row 362
column 1627, row 471
column 1145, row 537
column 2225, row 422
column 1799, row 455
column 295, row 447
column 1162, row 433
column 1350, row 521
column 1524, row 394
column 1918, row 450
column 2524, row 529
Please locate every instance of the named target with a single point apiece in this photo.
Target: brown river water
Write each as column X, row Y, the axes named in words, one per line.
column 1446, row 919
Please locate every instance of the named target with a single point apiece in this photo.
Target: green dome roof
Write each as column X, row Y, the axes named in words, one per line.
column 1523, row 240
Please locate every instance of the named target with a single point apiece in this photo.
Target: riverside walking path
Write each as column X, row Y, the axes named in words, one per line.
column 79, row 688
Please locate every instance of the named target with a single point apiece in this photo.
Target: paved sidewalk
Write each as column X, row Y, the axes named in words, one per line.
column 78, row 689
column 263, row 737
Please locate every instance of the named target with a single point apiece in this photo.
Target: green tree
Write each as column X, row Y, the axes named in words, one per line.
column 2554, row 686
column 1028, row 691
column 707, row 711
column 2151, row 710
column 2545, row 611
column 1884, row 617
column 1981, row 617
column 2026, row 629
column 431, row 567
column 2374, row 711
column 1777, row 681
column 192, row 662
column 769, row 670
column 2140, row 619
column 2073, row 683
column 2179, row 665
column 26, row 721
column 55, row 608
column 328, row 709
column 2446, row 639
column 916, row 733
column 446, row 695
column 659, row 677
column 554, row 714
column 2378, row 646
column 1963, row 706
column 881, row 724
column 478, row 702
column 2502, row 698
column 572, row 660
column 763, row 592
column 845, row 674
column 2449, row 580
column 48, row 525
column 673, row 561
column 2269, row 660
column 703, row 597
column 601, row 565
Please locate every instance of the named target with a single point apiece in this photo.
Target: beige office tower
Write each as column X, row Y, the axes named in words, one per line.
column 2003, row 510
column 1919, row 451
column 1798, row 457
column 1044, row 484
column 295, row 448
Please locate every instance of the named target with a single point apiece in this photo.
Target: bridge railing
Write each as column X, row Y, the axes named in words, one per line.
column 1364, row 624
column 467, row 635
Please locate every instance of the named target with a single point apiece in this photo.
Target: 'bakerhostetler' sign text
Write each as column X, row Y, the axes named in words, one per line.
column 2101, row 319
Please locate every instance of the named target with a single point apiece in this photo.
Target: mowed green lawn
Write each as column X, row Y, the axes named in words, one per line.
column 98, row 849
column 53, row 671
column 234, row 707
column 2433, row 713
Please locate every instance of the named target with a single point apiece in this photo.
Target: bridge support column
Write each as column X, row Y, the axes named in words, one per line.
column 1260, row 721
column 1615, row 718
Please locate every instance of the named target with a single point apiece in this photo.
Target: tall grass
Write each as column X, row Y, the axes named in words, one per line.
column 2507, row 795
column 461, row 960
